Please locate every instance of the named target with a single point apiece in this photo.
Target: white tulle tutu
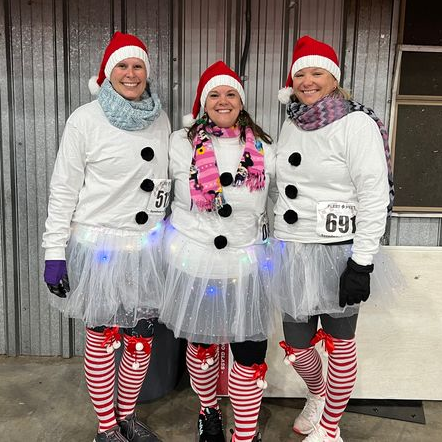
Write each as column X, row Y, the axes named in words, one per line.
column 217, row 296
column 308, row 276
column 115, row 275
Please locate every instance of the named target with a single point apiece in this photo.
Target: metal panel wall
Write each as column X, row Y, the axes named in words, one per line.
column 49, row 50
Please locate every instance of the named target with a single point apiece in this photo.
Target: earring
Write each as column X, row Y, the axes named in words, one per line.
column 204, row 119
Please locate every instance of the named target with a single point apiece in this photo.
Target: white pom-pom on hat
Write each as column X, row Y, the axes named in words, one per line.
column 188, row 120
column 94, row 87
column 284, row 95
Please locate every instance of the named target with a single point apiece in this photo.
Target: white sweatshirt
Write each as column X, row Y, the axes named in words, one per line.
column 97, row 176
column 342, row 173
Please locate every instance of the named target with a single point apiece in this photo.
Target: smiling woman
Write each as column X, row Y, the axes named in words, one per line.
column 223, row 105
column 129, row 78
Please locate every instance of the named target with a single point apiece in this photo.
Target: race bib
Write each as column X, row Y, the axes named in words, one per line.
column 159, row 199
column 263, row 227
column 335, row 218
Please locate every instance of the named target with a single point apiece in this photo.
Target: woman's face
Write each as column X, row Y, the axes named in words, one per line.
column 223, row 105
column 312, row 84
column 129, row 78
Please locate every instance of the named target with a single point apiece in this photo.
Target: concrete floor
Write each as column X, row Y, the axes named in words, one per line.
column 45, row 399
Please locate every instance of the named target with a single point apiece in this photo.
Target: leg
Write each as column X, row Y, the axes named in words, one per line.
column 245, row 394
column 341, row 373
column 132, row 373
column 308, row 365
column 99, row 367
column 202, row 364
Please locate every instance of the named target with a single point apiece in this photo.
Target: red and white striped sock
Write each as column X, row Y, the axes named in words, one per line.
column 203, row 382
column 245, row 397
column 308, row 365
column 341, row 378
column 131, row 374
column 99, row 368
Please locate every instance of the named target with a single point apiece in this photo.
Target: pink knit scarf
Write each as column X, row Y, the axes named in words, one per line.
column 205, row 187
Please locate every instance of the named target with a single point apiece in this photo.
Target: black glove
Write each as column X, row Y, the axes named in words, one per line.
column 354, row 285
column 56, row 277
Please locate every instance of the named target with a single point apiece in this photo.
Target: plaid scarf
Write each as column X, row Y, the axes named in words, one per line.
column 330, row 109
column 205, row 187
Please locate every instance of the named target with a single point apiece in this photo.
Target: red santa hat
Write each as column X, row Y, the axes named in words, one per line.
column 218, row 74
column 310, row 53
column 120, row 47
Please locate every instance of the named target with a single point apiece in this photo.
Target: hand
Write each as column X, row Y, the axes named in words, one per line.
column 354, row 285
column 56, row 277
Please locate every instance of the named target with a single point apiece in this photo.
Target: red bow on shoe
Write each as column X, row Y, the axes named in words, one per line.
column 206, row 356
column 326, row 339
column 290, row 355
column 112, row 339
column 259, row 375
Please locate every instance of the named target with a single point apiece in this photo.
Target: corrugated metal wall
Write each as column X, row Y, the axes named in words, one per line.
column 49, row 49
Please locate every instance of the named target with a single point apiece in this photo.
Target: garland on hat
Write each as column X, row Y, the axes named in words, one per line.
column 205, row 187
column 128, row 114
column 329, row 109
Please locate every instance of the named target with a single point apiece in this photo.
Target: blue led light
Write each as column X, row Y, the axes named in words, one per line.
column 211, row 290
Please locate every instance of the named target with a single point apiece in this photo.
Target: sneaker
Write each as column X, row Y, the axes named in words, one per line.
column 135, row 431
column 310, row 415
column 111, row 435
column 320, row 435
column 257, row 437
column 210, row 426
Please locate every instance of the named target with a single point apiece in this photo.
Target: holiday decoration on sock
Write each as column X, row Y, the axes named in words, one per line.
column 341, row 378
column 207, row 356
column 245, row 397
column 203, row 380
column 112, row 339
column 290, row 356
column 99, row 368
column 327, row 340
column 132, row 372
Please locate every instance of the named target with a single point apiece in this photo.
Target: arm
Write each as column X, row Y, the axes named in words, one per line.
column 66, row 183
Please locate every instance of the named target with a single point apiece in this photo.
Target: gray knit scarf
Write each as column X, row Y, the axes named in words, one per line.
column 128, row 114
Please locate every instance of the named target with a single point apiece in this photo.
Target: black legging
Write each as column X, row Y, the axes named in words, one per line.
column 299, row 334
column 246, row 353
column 144, row 328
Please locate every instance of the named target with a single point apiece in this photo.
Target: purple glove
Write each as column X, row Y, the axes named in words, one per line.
column 56, row 277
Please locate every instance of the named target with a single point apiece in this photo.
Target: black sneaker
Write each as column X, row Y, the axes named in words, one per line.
column 111, row 435
column 210, row 426
column 257, row 437
column 135, row 431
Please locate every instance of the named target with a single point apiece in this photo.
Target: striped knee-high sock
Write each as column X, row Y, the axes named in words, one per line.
column 132, row 372
column 99, row 368
column 308, row 365
column 203, row 382
column 245, row 397
column 341, row 378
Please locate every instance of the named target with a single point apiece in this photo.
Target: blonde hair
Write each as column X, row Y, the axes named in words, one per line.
column 339, row 92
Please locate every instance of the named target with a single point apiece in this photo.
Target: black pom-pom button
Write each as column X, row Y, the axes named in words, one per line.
column 290, row 217
column 225, row 211
column 220, row 242
column 147, row 185
column 147, row 153
column 141, row 217
column 291, row 191
column 295, row 159
column 226, row 179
